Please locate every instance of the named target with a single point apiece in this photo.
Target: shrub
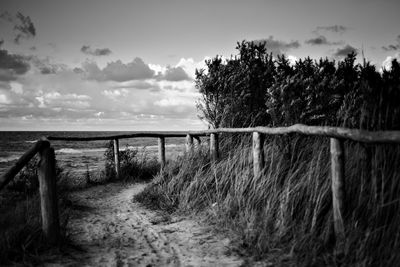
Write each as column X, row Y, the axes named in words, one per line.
column 254, row 89
column 26, row 181
column 134, row 165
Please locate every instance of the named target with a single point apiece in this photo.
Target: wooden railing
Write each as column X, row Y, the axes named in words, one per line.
column 50, row 221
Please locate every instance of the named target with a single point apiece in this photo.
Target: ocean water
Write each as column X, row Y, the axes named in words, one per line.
column 79, row 156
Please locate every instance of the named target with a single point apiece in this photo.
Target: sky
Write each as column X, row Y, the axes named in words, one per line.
column 130, row 65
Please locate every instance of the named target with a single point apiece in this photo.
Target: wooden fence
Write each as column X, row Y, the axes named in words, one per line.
column 48, row 192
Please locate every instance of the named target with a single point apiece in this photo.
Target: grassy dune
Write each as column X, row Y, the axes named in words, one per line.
column 285, row 215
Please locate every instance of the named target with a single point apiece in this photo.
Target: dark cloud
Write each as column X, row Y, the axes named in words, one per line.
column 86, row 49
column 12, row 65
column 45, row 66
column 174, row 74
column 320, row 40
column 23, row 25
column 393, row 47
column 6, row 16
column 344, row 51
column 334, row 28
column 1, row 42
column 118, row 71
column 277, row 47
column 78, row 70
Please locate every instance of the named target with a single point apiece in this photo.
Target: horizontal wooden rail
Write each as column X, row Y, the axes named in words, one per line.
column 155, row 134
column 327, row 131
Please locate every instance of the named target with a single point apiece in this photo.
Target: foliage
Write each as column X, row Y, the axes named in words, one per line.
column 26, row 181
column 236, row 87
column 254, row 89
column 134, row 165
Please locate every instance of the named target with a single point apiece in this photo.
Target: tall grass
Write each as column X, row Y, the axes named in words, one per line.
column 21, row 238
column 285, row 214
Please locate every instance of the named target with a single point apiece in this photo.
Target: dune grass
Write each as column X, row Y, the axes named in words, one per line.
column 285, row 214
column 21, row 239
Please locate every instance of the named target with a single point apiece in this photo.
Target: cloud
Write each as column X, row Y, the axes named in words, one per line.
column 57, row 100
column 174, row 74
column 117, row 71
column 23, row 26
column 387, row 63
column 12, row 65
column 393, row 47
column 140, row 85
column 276, row 46
column 116, row 93
column 190, row 66
column 344, row 51
column 95, row 52
column 171, row 102
column 320, row 40
column 334, row 28
column 105, row 101
column 45, row 66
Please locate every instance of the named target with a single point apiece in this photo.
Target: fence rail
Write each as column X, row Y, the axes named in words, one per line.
column 50, row 222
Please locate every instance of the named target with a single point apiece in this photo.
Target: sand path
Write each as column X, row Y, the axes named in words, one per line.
column 112, row 230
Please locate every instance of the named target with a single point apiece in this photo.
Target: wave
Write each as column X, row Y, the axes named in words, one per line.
column 31, row 141
column 79, row 151
column 8, row 158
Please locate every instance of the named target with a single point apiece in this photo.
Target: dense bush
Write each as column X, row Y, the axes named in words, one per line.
column 135, row 165
column 254, row 89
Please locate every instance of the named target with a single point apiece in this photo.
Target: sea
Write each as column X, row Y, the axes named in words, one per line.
column 80, row 157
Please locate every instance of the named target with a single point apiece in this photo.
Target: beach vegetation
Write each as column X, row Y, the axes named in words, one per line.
column 284, row 216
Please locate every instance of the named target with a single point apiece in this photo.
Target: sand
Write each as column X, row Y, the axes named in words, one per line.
column 110, row 229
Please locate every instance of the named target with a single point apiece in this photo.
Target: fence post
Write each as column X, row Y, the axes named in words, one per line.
column 116, row 159
column 214, row 150
column 48, row 194
column 189, row 143
column 338, row 187
column 258, row 153
column 161, row 152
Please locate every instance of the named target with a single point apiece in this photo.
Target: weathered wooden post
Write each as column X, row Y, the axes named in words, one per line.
column 161, row 152
column 258, row 153
column 116, row 159
column 189, row 143
column 214, row 149
column 338, row 187
column 48, row 194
